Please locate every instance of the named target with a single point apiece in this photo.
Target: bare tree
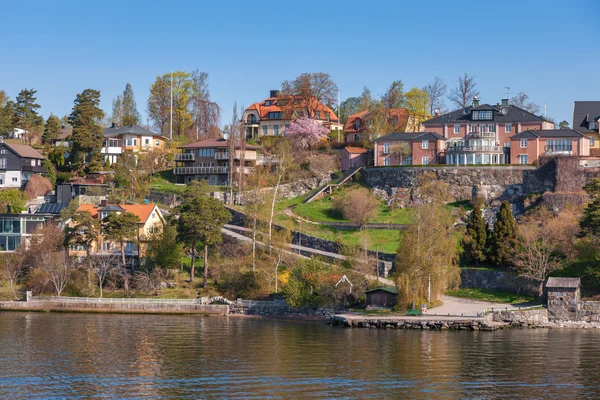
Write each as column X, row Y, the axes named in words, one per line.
column 102, row 265
column 393, row 96
column 312, row 89
column 401, row 149
column 284, row 163
column 12, row 269
column 242, row 135
column 359, row 206
column 321, row 165
column 231, row 142
column 521, row 100
column 59, row 267
column 436, row 90
column 464, row 93
column 205, row 113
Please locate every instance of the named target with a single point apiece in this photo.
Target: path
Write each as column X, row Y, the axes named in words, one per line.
column 344, row 225
column 466, row 307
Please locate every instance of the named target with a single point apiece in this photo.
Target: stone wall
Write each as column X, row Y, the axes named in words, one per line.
column 286, row 191
column 273, row 308
column 497, row 280
column 526, row 318
column 490, row 183
column 565, row 310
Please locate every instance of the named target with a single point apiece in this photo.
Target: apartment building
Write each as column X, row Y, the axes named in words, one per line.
column 586, row 119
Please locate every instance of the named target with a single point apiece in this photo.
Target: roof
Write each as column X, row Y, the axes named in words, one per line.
column 51, row 208
column 129, row 130
column 584, row 112
column 401, row 113
column 275, row 106
column 350, row 121
column 388, row 289
column 143, row 211
column 548, row 133
column 573, row 283
column 24, row 150
column 356, row 150
column 214, row 143
column 406, row 136
column 513, row 114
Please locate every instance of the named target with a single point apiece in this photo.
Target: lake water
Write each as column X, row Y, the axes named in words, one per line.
column 44, row 355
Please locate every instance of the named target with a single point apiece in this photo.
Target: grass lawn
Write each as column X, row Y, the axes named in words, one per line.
column 163, row 183
column 495, row 296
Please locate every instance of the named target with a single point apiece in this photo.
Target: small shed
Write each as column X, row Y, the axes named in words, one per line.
column 382, row 297
column 352, row 157
column 563, row 289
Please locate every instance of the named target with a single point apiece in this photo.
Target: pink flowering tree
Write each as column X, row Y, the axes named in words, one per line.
column 306, row 133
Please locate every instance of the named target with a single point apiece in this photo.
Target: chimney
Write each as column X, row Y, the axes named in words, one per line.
column 504, row 102
column 436, row 112
column 103, row 203
column 475, row 101
column 113, row 125
column 273, row 93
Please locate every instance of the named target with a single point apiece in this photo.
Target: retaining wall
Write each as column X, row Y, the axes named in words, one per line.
column 583, row 311
column 497, row 280
column 133, row 308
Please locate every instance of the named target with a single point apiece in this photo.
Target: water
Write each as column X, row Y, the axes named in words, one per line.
column 45, row 355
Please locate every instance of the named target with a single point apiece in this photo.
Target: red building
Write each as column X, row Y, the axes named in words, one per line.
column 529, row 145
column 409, row 148
column 358, row 123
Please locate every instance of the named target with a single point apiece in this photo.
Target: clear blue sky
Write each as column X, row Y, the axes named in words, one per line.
column 548, row 49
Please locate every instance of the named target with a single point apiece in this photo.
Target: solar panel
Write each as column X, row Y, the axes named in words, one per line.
column 51, row 208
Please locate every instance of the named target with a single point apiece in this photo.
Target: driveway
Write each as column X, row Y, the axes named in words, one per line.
column 466, row 307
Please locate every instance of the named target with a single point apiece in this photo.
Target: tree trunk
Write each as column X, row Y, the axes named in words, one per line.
column 193, row 266
column 204, row 283
column 100, row 284
column 273, row 212
column 254, row 237
column 123, row 255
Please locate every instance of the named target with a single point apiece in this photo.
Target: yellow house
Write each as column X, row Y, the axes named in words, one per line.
column 118, row 139
column 151, row 221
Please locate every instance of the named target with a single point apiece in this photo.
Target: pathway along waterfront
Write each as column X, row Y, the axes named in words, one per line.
column 160, row 356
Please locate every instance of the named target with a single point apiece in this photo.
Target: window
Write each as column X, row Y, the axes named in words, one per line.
column 356, row 124
column 386, row 161
column 523, row 143
column 424, row 160
column 356, row 137
column 147, row 141
column 456, row 129
column 386, row 148
column 523, row 159
column 2, row 179
column 592, row 142
column 406, row 161
column 482, row 128
column 506, row 144
column 157, row 142
column 475, row 115
column 265, row 130
column 275, row 115
column 508, row 128
column 473, row 128
column 593, row 125
column 206, row 153
column 106, row 246
column 395, row 119
column 425, row 144
column 560, row 145
column 275, row 130
column 491, row 128
column 268, row 103
column 14, row 179
column 2, row 151
column 129, row 248
column 3, row 163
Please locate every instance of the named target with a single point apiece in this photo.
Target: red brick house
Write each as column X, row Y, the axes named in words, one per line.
column 409, row 148
column 356, row 124
column 352, row 157
column 529, row 145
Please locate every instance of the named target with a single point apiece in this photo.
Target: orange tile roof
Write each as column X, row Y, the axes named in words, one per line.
column 143, row 211
column 401, row 113
column 356, row 150
column 264, row 110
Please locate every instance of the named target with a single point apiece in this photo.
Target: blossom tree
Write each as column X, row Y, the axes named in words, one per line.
column 305, row 133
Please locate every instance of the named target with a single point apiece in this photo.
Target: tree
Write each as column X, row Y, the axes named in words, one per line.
column 232, row 140
column 16, row 198
column 358, row 206
column 12, row 270
column 51, row 130
column 159, row 102
column 464, row 93
column 590, row 221
column 417, row 104
column 283, row 166
column 50, row 171
column 125, row 111
column 59, row 267
column 206, row 113
column 201, row 220
column 394, row 96
column 84, row 231
column 503, row 239
column 6, row 116
column 87, row 132
column 436, row 91
column 163, row 249
column 102, row 265
column 47, row 239
column 521, row 100
column 306, row 133
column 475, row 239
column 25, row 113
column 564, row 125
column 121, row 228
column 401, row 149
column 348, row 107
column 312, row 89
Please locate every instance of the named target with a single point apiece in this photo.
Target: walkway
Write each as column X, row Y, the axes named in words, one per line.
column 466, row 307
column 344, row 225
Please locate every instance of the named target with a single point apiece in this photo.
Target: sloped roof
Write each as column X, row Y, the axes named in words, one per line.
column 584, row 112
column 410, row 136
column 210, row 143
column 356, row 150
column 401, row 113
column 389, row 289
column 143, row 211
column 24, row 150
column 350, row 121
column 275, row 106
column 513, row 114
column 129, row 130
column 548, row 133
column 563, row 282
column 51, row 208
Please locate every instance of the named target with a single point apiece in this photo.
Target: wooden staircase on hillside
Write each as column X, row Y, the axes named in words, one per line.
column 329, row 187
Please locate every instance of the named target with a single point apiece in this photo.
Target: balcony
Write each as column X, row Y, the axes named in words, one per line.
column 473, row 149
column 480, row 135
column 222, row 156
column 199, row 170
column 559, row 151
column 184, row 157
column 112, row 150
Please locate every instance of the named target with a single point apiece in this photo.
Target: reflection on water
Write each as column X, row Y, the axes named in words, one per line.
column 71, row 355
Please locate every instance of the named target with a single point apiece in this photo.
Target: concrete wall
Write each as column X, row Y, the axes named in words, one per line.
column 497, row 280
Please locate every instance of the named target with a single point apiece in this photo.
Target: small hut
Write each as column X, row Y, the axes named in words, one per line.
column 563, row 289
column 382, row 297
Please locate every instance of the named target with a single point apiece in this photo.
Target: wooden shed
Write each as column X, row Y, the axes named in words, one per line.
column 563, row 289
column 382, row 297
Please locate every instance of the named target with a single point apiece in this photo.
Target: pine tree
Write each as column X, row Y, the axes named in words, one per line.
column 87, row 132
column 25, row 112
column 590, row 221
column 125, row 111
column 51, row 129
column 503, row 239
column 475, row 239
column 50, row 171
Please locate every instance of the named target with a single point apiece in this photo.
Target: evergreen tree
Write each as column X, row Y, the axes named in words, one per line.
column 25, row 112
column 475, row 238
column 50, row 171
column 51, row 129
column 163, row 249
column 125, row 111
column 503, row 239
column 590, row 221
column 7, row 124
column 87, row 133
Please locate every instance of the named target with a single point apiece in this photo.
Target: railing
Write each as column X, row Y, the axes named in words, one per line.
column 505, row 309
column 184, row 157
column 476, row 134
column 451, row 149
column 222, row 156
column 65, row 299
column 111, row 150
column 199, row 170
column 556, row 150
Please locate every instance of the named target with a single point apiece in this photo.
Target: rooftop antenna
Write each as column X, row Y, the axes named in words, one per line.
column 171, row 118
column 507, row 91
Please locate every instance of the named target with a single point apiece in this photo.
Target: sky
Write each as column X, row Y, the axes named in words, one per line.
column 547, row 49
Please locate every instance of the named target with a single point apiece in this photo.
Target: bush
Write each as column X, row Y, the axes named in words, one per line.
column 63, row 176
column 238, row 285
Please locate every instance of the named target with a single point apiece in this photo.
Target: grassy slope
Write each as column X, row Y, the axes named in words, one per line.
column 496, row 296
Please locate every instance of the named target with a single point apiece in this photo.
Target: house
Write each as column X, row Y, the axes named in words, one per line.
column 409, row 148
column 16, row 229
column 272, row 116
column 151, row 221
column 586, row 118
column 18, row 162
column 382, row 297
column 529, row 145
column 564, row 297
column 357, row 124
column 208, row 160
column 352, row 157
column 118, row 139
column 481, row 133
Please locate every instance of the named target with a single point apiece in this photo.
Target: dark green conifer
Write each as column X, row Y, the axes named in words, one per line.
column 475, row 239
column 503, row 239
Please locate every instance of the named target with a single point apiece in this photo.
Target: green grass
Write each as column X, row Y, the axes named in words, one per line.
column 163, row 183
column 495, row 296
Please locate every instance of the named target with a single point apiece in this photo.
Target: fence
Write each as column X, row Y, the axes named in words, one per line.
column 109, row 300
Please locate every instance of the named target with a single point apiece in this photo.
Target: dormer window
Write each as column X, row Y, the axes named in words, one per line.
column 317, row 114
column 356, row 125
column 482, row 115
column 267, row 103
column 593, row 125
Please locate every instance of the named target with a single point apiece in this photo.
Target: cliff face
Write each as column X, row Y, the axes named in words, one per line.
column 465, row 183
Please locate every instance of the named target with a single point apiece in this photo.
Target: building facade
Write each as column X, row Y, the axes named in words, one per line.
column 118, row 139
column 208, row 160
column 409, row 148
column 17, row 229
column 481, row 133
column 18, row 163
column 272, row 116
column 353, row 157
column 586, row 119
column 357, row 124
column 528, row 146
